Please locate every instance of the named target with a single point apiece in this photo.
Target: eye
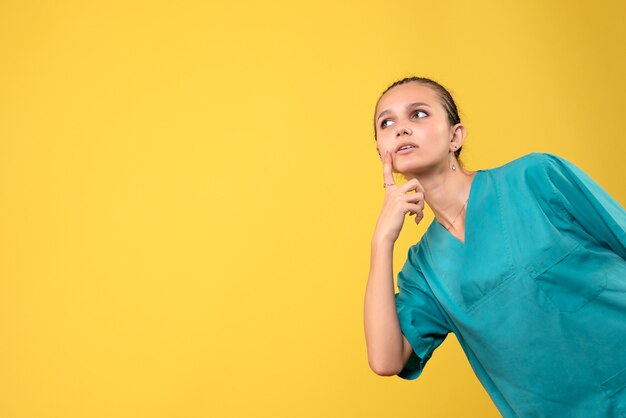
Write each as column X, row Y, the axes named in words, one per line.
column 417, row 112
column 385, row 123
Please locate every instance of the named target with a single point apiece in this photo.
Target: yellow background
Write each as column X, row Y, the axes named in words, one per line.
column 188, row 190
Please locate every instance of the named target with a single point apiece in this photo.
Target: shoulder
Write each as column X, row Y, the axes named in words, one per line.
column 418, row 254
column 412, row 264
column 537, row 175
column 536, row 166
column 534, row 160
column 413, row 253
column 411, row 275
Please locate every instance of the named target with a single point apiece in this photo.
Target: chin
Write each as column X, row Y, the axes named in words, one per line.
column 410, row 169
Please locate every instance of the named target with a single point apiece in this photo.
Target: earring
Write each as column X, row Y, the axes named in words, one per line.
column 452, row 165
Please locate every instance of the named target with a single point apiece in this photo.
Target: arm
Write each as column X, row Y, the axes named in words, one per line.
column 387, row 349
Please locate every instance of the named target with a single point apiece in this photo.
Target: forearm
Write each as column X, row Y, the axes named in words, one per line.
column 382, row 328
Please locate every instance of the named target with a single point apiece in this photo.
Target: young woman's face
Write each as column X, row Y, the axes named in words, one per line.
column 411, row 115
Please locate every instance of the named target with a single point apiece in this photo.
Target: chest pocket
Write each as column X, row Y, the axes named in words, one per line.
column 550, row 250
column 572, row 279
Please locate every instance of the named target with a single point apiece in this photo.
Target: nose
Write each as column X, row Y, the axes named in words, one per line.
column 403, row 130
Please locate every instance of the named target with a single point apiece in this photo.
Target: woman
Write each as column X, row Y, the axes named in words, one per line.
column 525, row 263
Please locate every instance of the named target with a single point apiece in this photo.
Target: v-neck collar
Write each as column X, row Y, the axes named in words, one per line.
column 441, row 230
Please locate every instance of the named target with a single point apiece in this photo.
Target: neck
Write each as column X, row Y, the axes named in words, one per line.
column 446, row 191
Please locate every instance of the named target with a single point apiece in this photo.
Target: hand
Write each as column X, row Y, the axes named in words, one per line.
column 397, row 203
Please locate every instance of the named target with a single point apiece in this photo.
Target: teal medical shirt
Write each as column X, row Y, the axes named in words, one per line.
column 536, row 295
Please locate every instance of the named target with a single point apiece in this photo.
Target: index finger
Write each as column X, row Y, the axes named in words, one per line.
column 412, row 184
column 387, row 169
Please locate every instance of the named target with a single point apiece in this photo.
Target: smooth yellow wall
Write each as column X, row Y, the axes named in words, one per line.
column 188, row 190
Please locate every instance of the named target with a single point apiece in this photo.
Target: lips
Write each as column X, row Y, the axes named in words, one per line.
column 406, row 145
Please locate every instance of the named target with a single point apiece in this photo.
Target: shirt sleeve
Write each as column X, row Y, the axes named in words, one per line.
column 592, row 207
column 421, row 319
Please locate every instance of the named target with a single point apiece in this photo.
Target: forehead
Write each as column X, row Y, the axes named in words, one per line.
column 399, row 96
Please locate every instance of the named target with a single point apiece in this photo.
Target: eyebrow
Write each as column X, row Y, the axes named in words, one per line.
column 416, row 104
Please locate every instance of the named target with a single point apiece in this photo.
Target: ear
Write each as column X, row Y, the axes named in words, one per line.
column 457, row 136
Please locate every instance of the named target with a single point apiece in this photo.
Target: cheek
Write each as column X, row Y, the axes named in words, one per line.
column 435, row 132
column 434, row 129
column 384, row 143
